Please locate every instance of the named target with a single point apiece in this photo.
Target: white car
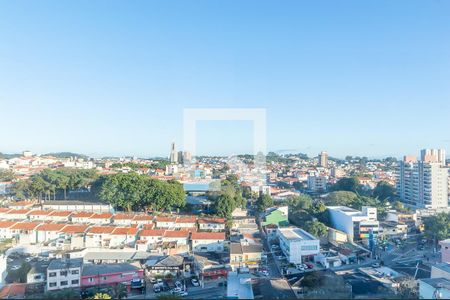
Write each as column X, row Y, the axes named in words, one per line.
column 195, row 282
column 178, row 284
column 159, row 281
column 265, row 272
column 182, row 294
column 15, row 268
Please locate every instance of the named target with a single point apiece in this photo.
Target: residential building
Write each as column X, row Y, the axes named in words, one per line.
column 323, row 159
column 5, row 229
column 441, row 270
column 298, row 245
column 122, row 236
column 82, row 217
column 101, row 218
column 64, row 273
column 424, row 183
column 38, row 272
column 208, row 241
column 76, row 206
column 358, row 225
column 48, row 232
column 276, row 216
column 99, row 236
column 165, row 222
column 211, row 224
column 239, row 286
column 317, row 183
column 245, row 254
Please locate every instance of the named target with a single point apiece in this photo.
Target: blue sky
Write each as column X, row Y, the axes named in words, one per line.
column 365, row 78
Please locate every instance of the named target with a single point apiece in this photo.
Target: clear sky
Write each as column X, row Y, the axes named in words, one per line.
column 365, row 78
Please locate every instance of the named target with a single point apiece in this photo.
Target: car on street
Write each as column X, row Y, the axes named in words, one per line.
column 178, row 284
column 182, row 294
column 15, row 268
column 195, row 282
column 156, row 288
column 264, row 272
column 153, row 280
column 175, row 291
column 159, row 281
column 375, row 265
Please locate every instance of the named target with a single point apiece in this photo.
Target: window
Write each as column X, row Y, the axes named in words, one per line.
column 309, row 247
column 63, row 273
column 52, row 284
column 91, row 279
column 37, row 277
column 65, row 282
column 52, row 274
column 75, row 272
column 76, row 281
column 104, row 278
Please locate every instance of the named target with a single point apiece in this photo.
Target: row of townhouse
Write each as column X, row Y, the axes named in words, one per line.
column 175, row 222
column 98, row 236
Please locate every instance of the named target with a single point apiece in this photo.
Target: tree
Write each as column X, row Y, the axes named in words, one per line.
column 344, row 198
column 101, row 296
column 316, row 228
column 6, row 175
column 384, row 191
column 264, row 201
column 437, row 227
column 346, row 184
column 119, row 291
column 224, row 205
column 302, row 201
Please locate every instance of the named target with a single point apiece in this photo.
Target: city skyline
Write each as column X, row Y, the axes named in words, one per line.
column 350, row 78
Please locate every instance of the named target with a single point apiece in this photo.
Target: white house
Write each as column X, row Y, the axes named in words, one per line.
column 165, row 222
column 98, row 236
column 17, row 214
column 82, row 217
column 208, row 241
column 48, row 232
column 151, row 236
column 5, row 229
column 39, row 215
column 25, row 232
column 298, row 245
column 179, row 236
column 123, row 219
column 101, row 218
column 142, row 219
column 211, row 224
column 185, row 222
column 60, row 216
column 122, row 236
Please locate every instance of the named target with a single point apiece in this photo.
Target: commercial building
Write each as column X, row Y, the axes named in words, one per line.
column 297, row 245
column 424, row 183
column 64, row 273
column 358, row 225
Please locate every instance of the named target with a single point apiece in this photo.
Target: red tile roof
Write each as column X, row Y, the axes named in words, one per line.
column 102, row 216
column 82, row 214
column 165, row 219
column 211, row 221
column 13, row 291
column 6, row 224
column 61, row 213
column 186, row 219
column 123, row 217
column 26, row 225
column 51, row 227
column 18, row 211
column 124, row 231
column 75, row 229
column 39, row 212
column 152, row 232
column 176, row 234
column 4, row 209
column 143, row 218
column 101, row 229
column 208, row 236
column 148, row 226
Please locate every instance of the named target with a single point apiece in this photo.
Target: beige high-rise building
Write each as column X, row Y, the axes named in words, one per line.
column 173, row 154
column 323, row 159
column 424, row 183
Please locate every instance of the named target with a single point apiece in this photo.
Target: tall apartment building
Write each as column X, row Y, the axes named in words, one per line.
column 323, row 159
column 424, row 183
column 317, row 182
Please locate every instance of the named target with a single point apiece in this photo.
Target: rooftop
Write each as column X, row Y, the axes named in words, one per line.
column 295, row 233
column 59, row 263
column 100, row 269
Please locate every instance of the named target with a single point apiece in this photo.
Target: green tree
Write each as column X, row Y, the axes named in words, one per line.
column 346, row 184
column 99, row 296
column 384, row 191
column 7, row 175
column 437, row 227
column 316, row 228
column 264, row 201
column 344, row 198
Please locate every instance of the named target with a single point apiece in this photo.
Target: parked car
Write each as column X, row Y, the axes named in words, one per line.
column 182, row 294
column 153, row 280
column 309, row 265
column 175, row 291
column 15, row 268
column 375, row 265
column 195, row 282
column 156, row 288
column 159, row 281
column 264, row 272
column 178, row 284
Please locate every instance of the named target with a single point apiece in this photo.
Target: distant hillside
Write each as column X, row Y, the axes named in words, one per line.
column 8, row 156
column 66, row 155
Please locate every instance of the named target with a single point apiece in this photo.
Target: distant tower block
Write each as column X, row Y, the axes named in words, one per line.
column 173, row 154
column 323, row 159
